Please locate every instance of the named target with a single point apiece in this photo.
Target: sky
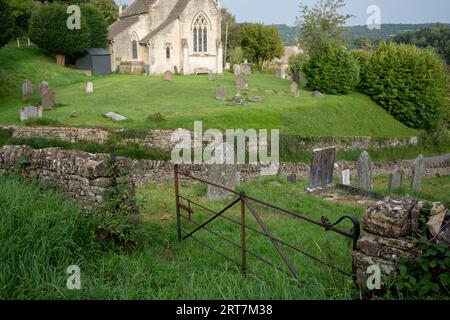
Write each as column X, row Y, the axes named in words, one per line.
column 392, row 11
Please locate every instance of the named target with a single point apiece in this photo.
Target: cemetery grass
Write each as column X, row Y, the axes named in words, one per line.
column 42, row 234
column 185, row 100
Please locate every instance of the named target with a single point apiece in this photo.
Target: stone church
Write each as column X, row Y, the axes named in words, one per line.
column 182, row 36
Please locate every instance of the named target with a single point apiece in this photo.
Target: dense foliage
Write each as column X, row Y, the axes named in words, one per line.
column 261, row 43
column 437, row 36
column 6, row 23
column 409, row 82
column 96, row 23
column 333, row 70
column 48, row 30
column 297, row 63
column 109, row 9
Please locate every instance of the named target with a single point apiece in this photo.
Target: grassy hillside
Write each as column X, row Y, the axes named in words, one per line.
column 31, row 63
column 187, row 99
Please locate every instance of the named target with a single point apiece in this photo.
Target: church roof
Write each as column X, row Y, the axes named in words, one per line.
column 173, row 15
column 137, row 7
column 120, row 25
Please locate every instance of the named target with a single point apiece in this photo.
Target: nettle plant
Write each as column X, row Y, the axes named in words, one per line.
column 428, row 275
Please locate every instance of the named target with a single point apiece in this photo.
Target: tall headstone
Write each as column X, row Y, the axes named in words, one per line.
column 221, row 93
column 365, row 172
column 48, row 100
column 246, row 69
column 27, row 90
column 294, row 88
column 395, row 179
column 168, row 75
column 43, row 87
column 30, row 113
column 418, row 171
column 221, row 174
column 89, row 88
column 321, row 170
column 345, row 178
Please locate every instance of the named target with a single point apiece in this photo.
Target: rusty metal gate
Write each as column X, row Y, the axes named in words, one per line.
column 185, row 205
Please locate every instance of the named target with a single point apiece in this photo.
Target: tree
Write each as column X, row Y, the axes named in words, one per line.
column 6, row 23
column 261, row 43
column 321, row 24
column 21, row 12
column 98, row 29
column 109, row 9
column 48, row 30
column 234, row 29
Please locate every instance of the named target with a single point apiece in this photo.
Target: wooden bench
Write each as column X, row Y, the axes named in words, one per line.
column 198, row 71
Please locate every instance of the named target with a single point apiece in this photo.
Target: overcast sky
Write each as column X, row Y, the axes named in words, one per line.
column 392, row 11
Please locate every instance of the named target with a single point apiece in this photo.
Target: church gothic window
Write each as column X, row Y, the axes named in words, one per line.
column 134, row 47
column 200, row 34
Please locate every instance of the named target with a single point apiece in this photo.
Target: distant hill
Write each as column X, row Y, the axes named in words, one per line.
column 387, row 31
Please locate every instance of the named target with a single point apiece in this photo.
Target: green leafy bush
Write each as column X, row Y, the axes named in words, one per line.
column 98, row 29
column 6, row 23
column 236, row 56
column 297, row 63
column 333, row 70
column 410, row 83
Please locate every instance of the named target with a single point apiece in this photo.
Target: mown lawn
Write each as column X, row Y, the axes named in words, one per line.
column 42, row 234
column 188, row 99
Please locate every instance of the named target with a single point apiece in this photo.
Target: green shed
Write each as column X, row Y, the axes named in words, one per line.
column 96, row 60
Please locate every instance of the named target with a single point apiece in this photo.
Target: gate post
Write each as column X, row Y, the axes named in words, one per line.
column 243, row 226
column 177, row 201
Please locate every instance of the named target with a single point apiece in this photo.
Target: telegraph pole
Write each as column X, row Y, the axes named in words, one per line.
column 226, row 45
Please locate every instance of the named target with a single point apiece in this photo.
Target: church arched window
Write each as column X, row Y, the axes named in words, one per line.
column 200, row 33
column 134, row 47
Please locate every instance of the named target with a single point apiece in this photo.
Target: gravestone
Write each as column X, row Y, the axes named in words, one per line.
column 238, row 99
column 317, row 93
column 237, row 69
column 89, row 88
column 115, row 116
column 345, row 178
column 246, row 69
column 241, row 81
column 294, row 88
column 221, row 93
column 279, row 73
column 27, row 90
column 43, row 86
column 365, row 172
column 395, row 179
column 48, row 100
column 292, row 179
column 227, row 66
column 168, row 75
column 297, row 94
column 30, row 113
column 222, row 174
column 418, row 171
column 255, row 99
column 321, row 169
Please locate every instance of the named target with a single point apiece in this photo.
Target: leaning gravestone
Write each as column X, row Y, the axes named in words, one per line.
column 27, row 90
column 395, row 179
column 48, row 100
column 345, row 178
column 221, row 93
column 30, row 113
column 89, row 88
column 294, row 88
column 221, row 174
column 43, row 87
column 168, row 75
column 418, row 171
column 321, row 170
column 365, row 172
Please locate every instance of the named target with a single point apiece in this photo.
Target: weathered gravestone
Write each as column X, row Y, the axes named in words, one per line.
column 221, row 93
column 238, row 99
column 345, row 178
column 395, row 179
column 317, row 94
column 115, row 116
column 27, row 90
column 30, row 113
column 279, row 73
column 241, row 81
column 365, row 172
column 321, row 170
column 292, row 179
column 237, row 69
column 48, row 100
column 255, row 99
column 43, row 87
column 221, row 174
column 89, row 88
column 211, row 76
column 227, row 66
column 294, row 88
column 246, row 69
column 418, row 171
column 168, row 75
